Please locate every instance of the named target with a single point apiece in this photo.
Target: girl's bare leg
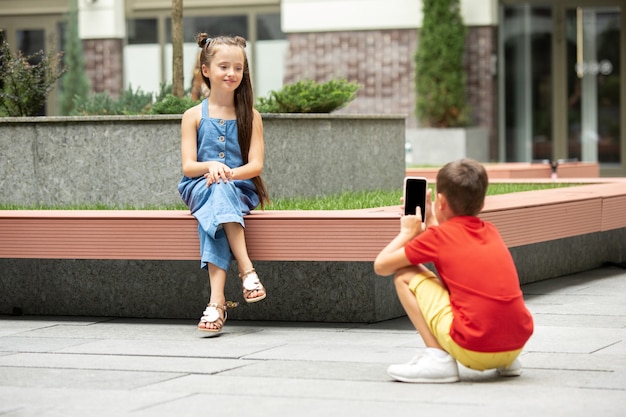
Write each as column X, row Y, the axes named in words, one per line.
column 217, row 280
column 411, row 307
column 237, row 241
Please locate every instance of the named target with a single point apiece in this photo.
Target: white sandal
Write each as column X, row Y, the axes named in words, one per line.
column 211, row 316
column 251, row 283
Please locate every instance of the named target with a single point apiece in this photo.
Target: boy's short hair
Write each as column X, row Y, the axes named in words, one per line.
column 464, row 183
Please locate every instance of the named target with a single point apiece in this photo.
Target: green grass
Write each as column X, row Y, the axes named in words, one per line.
column 370, row 199
column 342, row 201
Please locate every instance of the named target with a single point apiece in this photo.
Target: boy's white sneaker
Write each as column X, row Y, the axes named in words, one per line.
column 514, row 369
column 426, row 368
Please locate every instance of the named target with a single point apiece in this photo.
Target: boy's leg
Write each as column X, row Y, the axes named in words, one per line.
column 411, row 307
column 436, row 365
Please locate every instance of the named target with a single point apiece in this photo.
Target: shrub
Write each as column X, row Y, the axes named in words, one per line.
column 96, row 104
column 130, row 102
column 170, row 104
column 440, row 75
column 133, row 102
column 26, row 80
column 309, row 97
column 74, row 82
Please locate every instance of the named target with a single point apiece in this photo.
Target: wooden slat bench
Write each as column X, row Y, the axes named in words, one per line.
column 172, row 235
column 350, row 235
column 538, row 227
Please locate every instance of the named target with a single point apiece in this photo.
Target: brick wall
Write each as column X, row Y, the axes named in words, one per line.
column 382, row 61
column 104, row 60
column 482, row 84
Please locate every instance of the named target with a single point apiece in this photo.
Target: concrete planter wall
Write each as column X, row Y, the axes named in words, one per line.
column 135, row 160
column 433, row 146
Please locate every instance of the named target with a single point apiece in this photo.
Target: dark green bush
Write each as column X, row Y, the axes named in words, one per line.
column 74, row 82
column 95, row 104
column 133, row 102
column 170, row 104
column 309, row 97
column 130, row 102
column 165, row 90
column 440, row 75
column 26, row 81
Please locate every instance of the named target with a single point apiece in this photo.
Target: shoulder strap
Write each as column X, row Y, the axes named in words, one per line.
column 205, row 107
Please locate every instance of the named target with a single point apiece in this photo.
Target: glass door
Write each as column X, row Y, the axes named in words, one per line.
column 526, row 88
column 593, row 84
column 562, row 82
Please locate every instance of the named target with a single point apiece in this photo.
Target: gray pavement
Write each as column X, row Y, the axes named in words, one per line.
column 574, row 365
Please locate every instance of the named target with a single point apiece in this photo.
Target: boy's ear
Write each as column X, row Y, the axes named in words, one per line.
column 441, row 201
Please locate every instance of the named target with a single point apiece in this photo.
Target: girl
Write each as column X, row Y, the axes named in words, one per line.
column 222, row 158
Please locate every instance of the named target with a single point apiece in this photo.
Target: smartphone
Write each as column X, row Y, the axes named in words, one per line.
column 415, row 195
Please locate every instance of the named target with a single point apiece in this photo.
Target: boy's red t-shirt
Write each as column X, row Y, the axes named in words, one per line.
column 489, row 313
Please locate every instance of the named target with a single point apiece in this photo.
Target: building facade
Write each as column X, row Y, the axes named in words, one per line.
column 546, row 78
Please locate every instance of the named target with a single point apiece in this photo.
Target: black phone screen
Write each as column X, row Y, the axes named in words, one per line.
column 415, row 195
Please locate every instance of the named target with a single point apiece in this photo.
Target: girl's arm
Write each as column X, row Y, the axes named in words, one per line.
column 189, row 132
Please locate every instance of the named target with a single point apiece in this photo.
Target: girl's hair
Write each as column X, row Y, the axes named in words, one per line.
column 244, row 99
column 464, row 184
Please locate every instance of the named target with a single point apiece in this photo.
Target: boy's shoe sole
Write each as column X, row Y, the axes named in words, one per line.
column 515, row 369
column 446, row 380
column 426, row 369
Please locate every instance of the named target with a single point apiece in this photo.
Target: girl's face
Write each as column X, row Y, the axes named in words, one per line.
column 226, row 68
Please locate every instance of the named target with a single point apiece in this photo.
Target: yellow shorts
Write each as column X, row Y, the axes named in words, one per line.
column 434, row 302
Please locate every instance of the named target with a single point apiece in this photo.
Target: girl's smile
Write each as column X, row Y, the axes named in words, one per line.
column 227, row 65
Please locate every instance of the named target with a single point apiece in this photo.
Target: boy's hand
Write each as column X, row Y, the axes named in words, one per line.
column 411, row 225
column 431, row 219
column 429, row 205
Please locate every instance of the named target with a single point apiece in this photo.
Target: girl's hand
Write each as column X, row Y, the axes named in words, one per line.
column 218, row 171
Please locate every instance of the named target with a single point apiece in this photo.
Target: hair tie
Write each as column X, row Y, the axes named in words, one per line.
column 206, row 41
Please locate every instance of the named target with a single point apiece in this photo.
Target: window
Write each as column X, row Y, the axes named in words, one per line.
column 268, row 27
column 142, row 31
column 213, row 25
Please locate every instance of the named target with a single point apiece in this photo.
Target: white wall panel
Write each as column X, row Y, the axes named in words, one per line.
column 342, row 15
column 101, row 19
column 142, row 67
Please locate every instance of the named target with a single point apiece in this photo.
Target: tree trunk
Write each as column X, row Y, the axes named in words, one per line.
column 178, row 88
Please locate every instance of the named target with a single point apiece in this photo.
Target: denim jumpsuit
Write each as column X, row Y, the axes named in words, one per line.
column 221, row 202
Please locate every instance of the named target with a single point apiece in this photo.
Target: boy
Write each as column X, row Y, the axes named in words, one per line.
column 475, row 312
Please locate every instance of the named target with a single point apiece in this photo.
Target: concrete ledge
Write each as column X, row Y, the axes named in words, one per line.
column 305, row 155
column 316, row 265
column 526, row 171
column 297, row 291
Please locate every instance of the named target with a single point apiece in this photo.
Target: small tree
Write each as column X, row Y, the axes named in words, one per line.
column 178, row 88
column 440, row 76
column 74, row 84
column 27, row 80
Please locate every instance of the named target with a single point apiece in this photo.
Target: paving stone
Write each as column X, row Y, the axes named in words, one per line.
column 574, row 364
